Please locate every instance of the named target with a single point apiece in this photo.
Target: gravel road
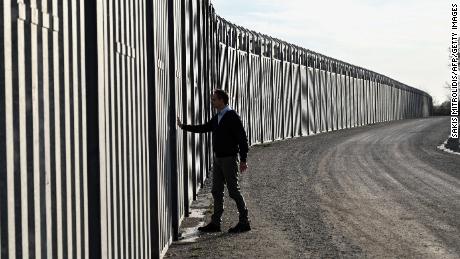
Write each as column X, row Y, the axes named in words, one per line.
column 382, row 190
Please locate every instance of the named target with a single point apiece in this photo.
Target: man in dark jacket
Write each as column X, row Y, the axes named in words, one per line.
column 229, row 139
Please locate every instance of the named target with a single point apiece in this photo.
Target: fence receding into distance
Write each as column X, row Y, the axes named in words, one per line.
column 92, row 163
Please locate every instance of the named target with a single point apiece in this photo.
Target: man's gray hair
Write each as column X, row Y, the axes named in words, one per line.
column 221, row 94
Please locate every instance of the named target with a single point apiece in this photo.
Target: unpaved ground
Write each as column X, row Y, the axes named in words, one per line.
column 383, row 190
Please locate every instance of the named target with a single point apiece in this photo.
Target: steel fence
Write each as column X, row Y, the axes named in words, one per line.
column 91, row 161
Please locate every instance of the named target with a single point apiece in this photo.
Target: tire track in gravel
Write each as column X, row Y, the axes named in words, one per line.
column 390, row 201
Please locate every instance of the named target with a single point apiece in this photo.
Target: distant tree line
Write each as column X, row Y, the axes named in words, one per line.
column 442, row 109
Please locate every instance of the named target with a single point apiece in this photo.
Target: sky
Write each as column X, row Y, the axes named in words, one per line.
column 406, row 40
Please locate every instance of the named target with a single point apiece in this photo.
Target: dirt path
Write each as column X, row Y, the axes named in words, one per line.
column 377, row 191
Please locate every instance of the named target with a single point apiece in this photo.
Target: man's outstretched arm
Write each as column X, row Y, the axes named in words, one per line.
column 203, row 128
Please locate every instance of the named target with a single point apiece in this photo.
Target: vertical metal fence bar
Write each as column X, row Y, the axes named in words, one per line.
column 312, row 126
column 188, row 195
column 317, row 97
column 201, row 87
column 304, row 102
column 7, row 191
column 333, row 80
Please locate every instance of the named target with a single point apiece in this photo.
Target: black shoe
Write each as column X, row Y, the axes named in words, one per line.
column 240, row 227
column 211, row 227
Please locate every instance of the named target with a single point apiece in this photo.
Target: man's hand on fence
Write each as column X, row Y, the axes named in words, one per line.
column 179, row 123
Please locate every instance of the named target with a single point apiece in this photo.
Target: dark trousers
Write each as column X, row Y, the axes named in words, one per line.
column 225, row 170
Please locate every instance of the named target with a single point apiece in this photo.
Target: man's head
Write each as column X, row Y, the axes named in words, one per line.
column 219, row 99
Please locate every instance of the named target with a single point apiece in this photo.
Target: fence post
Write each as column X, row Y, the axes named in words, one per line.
column 93, row 15
column 172, row 120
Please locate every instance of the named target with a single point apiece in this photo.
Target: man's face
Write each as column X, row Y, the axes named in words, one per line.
column 216, row 102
